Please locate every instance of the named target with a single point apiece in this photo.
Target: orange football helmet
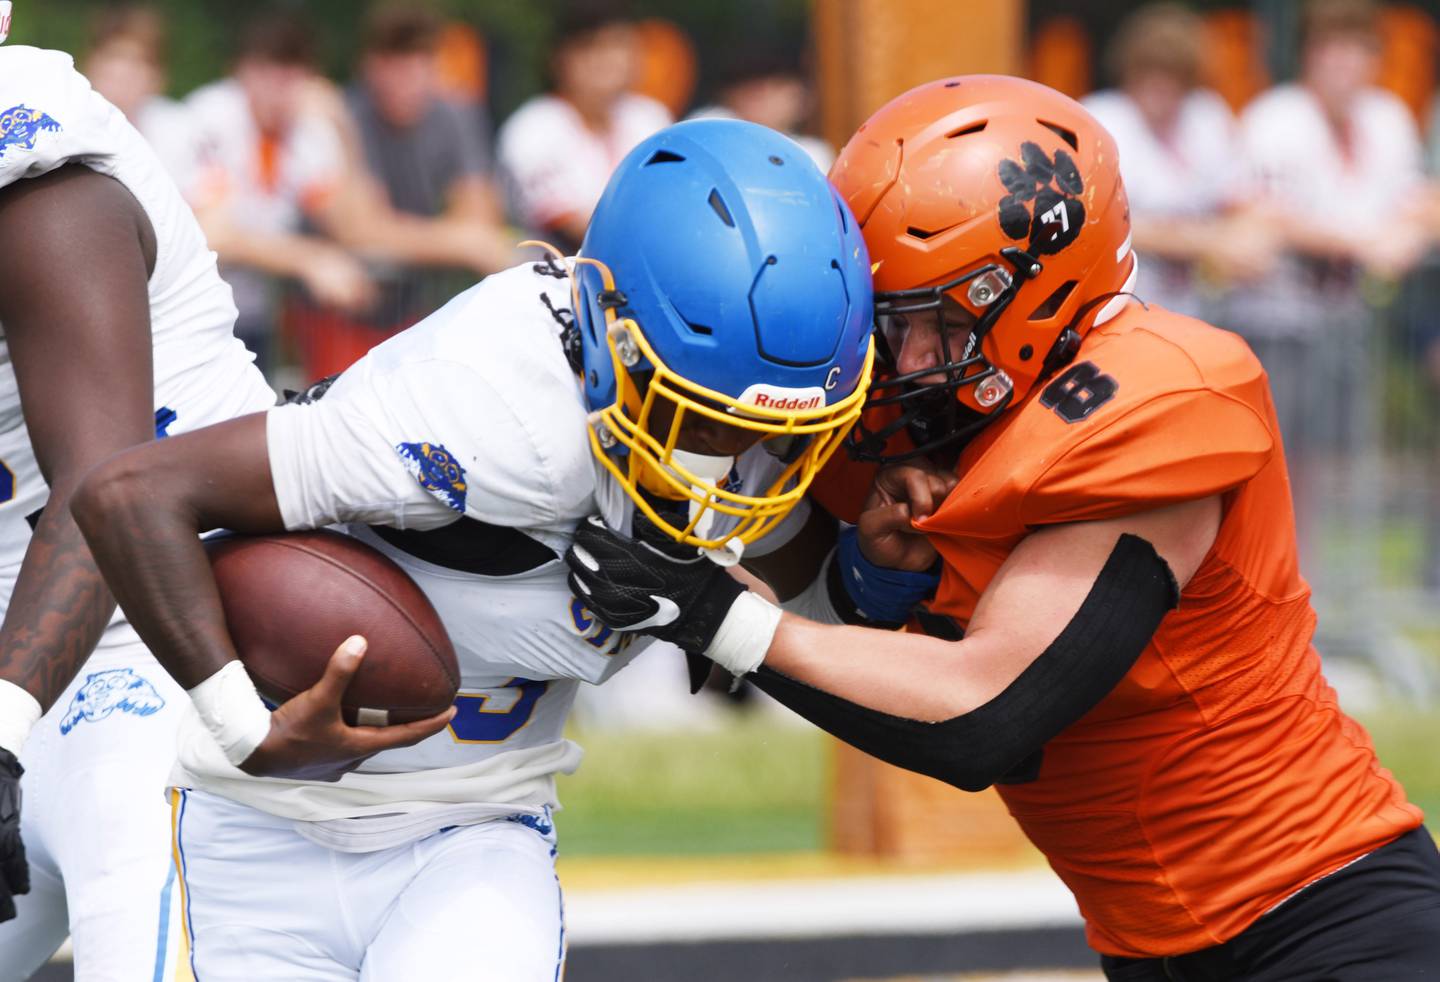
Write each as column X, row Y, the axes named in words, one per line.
column 1004, row 196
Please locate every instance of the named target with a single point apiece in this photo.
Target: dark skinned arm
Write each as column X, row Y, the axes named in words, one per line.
column 74, row 300
column 787, row 571
column 142, row 511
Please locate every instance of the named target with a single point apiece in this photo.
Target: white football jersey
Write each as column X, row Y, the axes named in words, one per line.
column 473, row 413
column 49, row 117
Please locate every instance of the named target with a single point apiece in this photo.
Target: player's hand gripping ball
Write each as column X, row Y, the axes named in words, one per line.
column 290, row 600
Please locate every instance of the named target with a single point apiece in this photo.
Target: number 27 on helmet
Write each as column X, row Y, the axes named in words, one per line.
column 998, row 225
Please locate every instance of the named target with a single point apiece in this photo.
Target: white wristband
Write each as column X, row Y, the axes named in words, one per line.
column 744, row 636
column 232, row 711
column 19, row 712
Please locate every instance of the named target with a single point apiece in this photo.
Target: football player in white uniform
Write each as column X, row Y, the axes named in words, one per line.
column 684, row 377
column 114, row 328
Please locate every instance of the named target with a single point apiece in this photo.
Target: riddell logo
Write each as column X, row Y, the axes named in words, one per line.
column 786, row 402
column 778, row 399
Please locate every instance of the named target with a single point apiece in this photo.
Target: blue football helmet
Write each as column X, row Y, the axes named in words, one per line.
column 721, row 275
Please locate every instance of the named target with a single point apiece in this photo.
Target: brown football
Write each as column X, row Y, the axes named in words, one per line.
column 291, row 599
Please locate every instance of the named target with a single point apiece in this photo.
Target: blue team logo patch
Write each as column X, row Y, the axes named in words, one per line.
column 20, row 125
column 105, row 692
column 436, row 470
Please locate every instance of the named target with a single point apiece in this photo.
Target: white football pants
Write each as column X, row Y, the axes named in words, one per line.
column 261, row 901
column 97, row 826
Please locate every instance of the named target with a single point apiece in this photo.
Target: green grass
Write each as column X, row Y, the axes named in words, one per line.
column 1408, row 742
column 755, row 787
column 751, row 787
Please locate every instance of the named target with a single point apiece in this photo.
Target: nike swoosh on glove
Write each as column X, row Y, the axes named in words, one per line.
column 14, row 871
column 642, row 529
column 675, row 595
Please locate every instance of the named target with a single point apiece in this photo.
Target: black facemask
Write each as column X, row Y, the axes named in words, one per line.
column 930, row 410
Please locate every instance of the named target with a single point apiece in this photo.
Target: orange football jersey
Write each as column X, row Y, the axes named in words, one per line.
column 1220, row 776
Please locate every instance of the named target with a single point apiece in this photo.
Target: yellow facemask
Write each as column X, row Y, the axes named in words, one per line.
column 652, row 463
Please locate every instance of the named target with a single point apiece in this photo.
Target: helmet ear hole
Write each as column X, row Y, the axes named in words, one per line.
column 1051, row 304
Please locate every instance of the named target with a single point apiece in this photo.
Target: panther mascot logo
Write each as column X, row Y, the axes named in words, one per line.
column 20, row 125
column 1043, row 205
column 105, row 692
column 437, row 471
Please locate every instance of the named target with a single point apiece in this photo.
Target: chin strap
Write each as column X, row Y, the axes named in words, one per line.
column 569, row 333
column 1067, row 345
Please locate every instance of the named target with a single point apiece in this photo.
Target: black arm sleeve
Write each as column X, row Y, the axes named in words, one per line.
column 1089, row 658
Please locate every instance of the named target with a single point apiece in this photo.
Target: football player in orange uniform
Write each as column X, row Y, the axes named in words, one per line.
column 1120, row 637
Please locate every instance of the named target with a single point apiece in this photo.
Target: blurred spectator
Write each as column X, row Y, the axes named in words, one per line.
column 283, row 165
column 558, row 149
column 432, row 157
column 1336, row 161
column 763, row 85
column 1338, row 157
column 1178, row 154
column 425, row 157
column 126, row 64
column 268, row 161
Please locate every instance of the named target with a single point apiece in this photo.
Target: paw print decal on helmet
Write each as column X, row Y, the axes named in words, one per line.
column 1042, row 205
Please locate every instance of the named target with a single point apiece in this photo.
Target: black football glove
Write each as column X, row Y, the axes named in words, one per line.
column 14, row 872
column 674, row 594
column 697, row 666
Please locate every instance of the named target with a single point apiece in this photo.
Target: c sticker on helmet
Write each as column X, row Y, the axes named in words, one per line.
column 1043, row 204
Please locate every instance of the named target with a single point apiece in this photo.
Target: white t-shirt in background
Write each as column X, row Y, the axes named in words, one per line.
column 1350, row 182
column 557, row 165
column 1190, row 172
column 263, row 184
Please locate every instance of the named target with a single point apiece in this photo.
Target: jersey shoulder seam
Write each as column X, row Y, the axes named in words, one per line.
column 1099, row 431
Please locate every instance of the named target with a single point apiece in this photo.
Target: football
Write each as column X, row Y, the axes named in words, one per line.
column 291, row 599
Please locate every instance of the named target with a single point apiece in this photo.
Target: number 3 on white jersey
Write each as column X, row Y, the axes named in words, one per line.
column 510, row 709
